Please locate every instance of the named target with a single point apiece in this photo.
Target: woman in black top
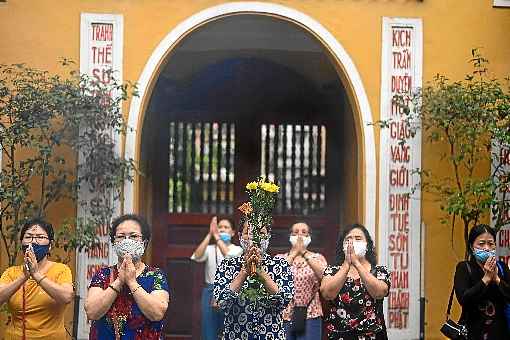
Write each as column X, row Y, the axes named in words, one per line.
column 482, row 289
column 356, row 288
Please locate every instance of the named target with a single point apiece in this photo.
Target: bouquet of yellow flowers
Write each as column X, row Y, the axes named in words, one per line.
column 258, row 214
column 258, row 211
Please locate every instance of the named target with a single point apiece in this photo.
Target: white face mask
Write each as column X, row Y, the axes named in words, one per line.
column 131, row 247
column 360, row 248
column 294, row 238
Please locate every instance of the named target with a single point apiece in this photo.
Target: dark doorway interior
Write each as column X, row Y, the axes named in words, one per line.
column 243, row 96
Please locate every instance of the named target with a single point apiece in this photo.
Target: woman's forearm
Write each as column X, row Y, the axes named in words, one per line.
column 269, row 284
column 316, row 265
column 238, row 281
column 7, row 290
column 62, row 294
column 375, row 287
column 199, row 252
column 153, row 307
column 100, row 300
column 331, row 285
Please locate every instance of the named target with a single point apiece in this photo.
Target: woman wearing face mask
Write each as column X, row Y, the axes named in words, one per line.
column 258, row 317
column 356, row 287
column 482, row 287
column 307, row 268
column 221, row 233
column 37, row 291
column 128, row 300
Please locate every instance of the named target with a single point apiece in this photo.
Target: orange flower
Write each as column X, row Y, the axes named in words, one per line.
column 246, row 208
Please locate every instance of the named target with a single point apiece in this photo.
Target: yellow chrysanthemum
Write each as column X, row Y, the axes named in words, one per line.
column 252, row 186
column 270, row 187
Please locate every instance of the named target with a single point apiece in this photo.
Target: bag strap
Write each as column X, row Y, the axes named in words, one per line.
column 450, row 300
column 313, row 295
column 501, row 270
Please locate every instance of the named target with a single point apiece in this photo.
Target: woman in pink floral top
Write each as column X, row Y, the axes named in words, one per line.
column 307, row 268
column 356, row 288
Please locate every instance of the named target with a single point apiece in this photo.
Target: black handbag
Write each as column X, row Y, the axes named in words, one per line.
column 451, row 329
column 299, row 317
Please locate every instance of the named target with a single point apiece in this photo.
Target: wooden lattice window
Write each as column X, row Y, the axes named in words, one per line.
column 295, row 156
column 201, row 169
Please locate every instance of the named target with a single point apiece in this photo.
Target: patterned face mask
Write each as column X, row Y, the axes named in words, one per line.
column 131, row 247
column 483, row 255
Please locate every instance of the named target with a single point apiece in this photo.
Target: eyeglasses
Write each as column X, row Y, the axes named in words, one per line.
column 37, row 238
column 134, row 237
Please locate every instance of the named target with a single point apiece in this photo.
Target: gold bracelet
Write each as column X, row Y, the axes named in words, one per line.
column 132, row 292
column 42, row 278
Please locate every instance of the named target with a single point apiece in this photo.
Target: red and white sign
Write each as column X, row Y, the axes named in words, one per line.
column 400, row 216
column 501, row 161
column 100, row 54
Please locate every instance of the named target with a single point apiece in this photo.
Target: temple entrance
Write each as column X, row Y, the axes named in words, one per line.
column 242, row 96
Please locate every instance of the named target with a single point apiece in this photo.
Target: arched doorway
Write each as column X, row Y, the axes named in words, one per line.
column 243, row 95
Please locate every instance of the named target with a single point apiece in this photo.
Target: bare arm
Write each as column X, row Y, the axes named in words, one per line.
column 238, row 281
column 199, row 252
column 61, row 293
column 8, row 289
column 153, row 305
column 375, row 287
column 269, row 284
column 331, row 285
column 316, row 264
column 99, row 301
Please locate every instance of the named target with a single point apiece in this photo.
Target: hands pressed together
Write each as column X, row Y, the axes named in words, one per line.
column 490, row 270
column 351, row 259
column 31, row 266
column 252, row 259
column 298, row 249
column 127, row 273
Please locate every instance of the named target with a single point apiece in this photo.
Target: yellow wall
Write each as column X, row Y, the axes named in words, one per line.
column 39, row 32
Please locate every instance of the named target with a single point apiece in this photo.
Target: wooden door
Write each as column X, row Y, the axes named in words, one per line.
column 204, row 174
column 214, row 133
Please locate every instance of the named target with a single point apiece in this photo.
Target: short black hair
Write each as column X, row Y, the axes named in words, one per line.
column 230, row 220
column 142, row 222
column 476, row 231
column 370, row 255
column 48, row 228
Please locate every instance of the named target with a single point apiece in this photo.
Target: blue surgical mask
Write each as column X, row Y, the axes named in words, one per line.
column 482, row 255
column 225, row 237
column 40, row 251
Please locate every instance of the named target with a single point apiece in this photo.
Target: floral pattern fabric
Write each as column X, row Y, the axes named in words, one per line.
column 306, row 285
column 259, row 319
column 354, row 314
column 124, row 314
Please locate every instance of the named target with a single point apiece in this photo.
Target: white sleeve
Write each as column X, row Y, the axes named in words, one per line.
column 234, row 251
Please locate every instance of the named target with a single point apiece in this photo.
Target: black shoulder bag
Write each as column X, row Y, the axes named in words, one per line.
column 451, row 329
column 299, row 317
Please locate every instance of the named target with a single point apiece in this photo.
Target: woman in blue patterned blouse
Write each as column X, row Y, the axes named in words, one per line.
column 254, row 313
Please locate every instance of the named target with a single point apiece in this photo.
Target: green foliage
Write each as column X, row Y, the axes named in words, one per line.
column 464, row 119
column 42, row 118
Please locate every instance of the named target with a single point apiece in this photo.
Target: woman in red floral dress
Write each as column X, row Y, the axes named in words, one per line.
column 356, row 288
column 128, row 301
